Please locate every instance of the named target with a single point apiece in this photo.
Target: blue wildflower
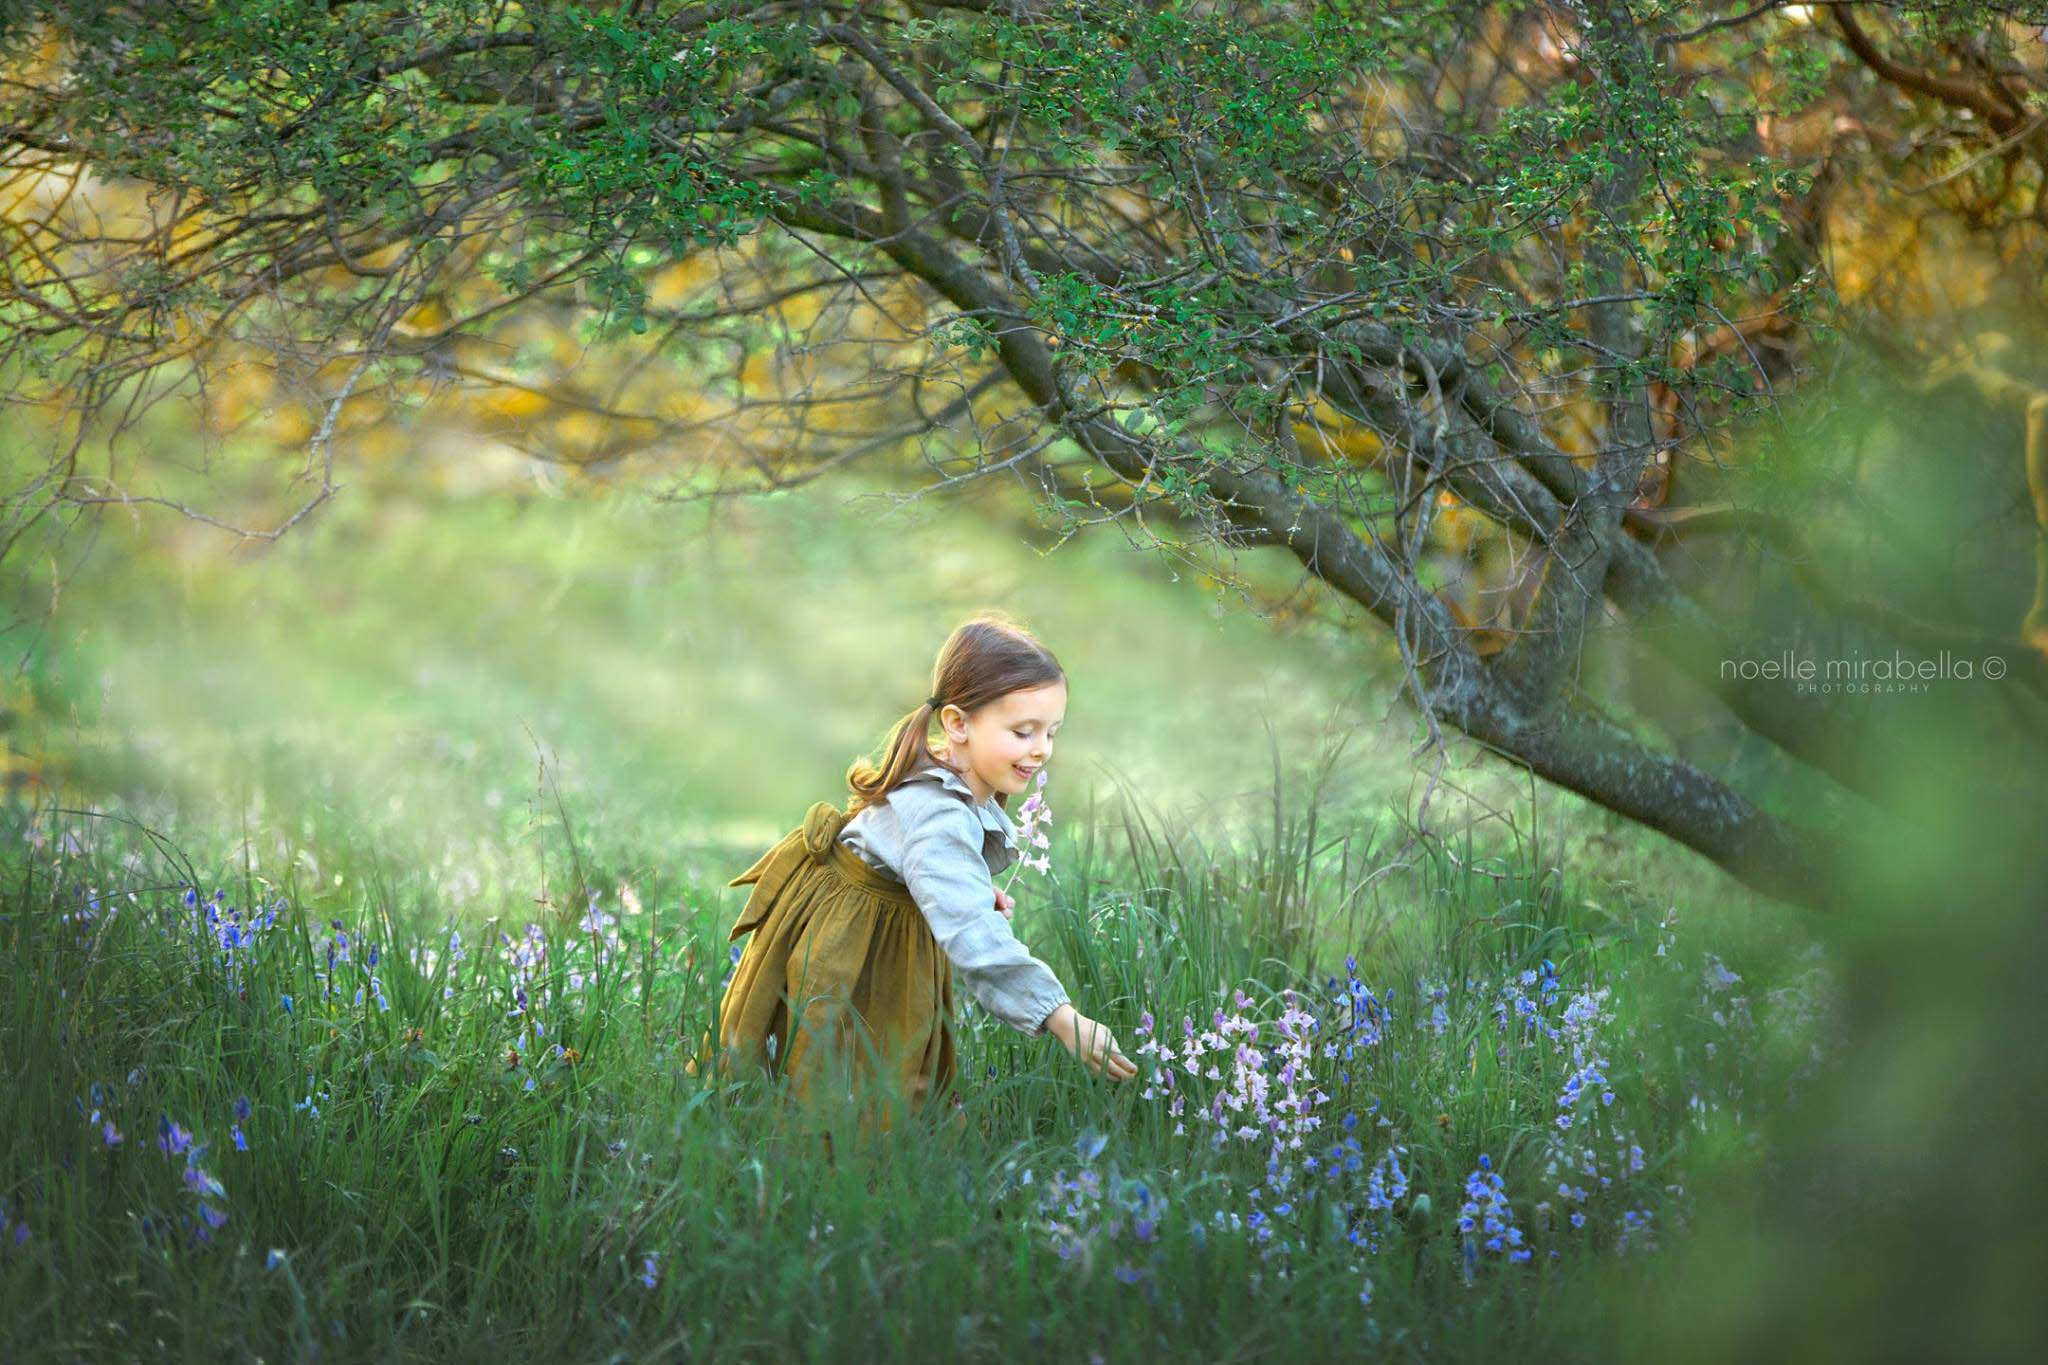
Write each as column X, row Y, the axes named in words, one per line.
column 1387, row 1182
column 1486, row 1210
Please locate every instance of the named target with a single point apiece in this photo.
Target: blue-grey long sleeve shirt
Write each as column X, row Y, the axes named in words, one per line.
column 931, row 834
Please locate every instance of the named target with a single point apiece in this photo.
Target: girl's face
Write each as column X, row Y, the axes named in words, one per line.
column 1002, row 746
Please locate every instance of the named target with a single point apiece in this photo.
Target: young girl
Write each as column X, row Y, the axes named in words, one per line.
column 861, row 918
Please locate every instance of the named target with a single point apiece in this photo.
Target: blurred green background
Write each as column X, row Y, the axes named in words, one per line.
column 425, row 672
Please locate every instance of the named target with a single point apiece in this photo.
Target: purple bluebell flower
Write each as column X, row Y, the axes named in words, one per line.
column 172, row 1138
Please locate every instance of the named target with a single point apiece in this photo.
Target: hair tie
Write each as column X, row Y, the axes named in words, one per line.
column 932, row 702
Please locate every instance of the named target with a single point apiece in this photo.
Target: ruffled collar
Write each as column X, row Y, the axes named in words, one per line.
column 993, row 817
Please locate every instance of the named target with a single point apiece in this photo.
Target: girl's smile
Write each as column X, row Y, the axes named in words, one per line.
column 1002, row 746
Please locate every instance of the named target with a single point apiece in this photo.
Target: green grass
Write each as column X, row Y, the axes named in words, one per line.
column 436, row 1207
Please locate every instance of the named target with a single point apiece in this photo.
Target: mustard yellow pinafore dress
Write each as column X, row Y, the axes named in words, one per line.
column 841, row 984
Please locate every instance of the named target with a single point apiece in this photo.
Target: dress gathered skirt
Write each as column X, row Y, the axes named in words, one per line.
column 841, row 983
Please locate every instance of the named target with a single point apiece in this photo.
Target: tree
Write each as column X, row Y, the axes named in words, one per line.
column 1437, row 297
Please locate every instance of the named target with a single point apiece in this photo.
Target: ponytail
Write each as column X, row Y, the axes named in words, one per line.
column 904, row 749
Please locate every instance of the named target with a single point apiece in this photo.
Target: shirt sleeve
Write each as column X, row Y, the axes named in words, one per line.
column 947, row 876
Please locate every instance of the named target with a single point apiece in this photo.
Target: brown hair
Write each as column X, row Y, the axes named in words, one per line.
column 989, row 655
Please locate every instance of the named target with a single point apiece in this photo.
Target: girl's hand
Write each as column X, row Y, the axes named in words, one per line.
column 1005, row 902
column 1090, row 1043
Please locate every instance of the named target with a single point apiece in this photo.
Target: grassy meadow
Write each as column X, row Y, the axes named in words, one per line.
column 368, row 897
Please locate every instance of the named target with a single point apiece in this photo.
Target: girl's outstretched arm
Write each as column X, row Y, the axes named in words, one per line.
column 947, row 877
